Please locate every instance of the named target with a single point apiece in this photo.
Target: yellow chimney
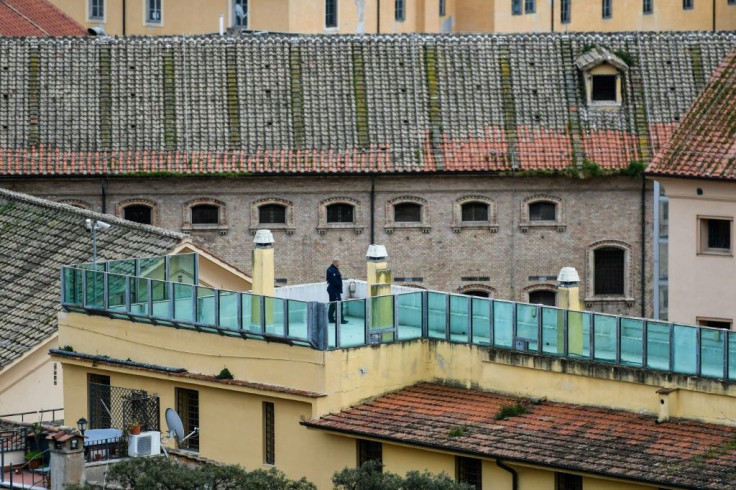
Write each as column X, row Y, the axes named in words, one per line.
column 379, row 279
column 568, row 297
column 263, row 271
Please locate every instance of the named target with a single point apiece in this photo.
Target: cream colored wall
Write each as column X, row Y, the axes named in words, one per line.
column 269, row 15
column 725, row 16
column 537, row 22
column 697, row 282
column 474, row 16
column 28, row 384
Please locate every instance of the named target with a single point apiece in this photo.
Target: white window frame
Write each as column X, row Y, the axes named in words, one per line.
column 332, row 28
column 90, row 8
column 246, row 9
column 148, row 7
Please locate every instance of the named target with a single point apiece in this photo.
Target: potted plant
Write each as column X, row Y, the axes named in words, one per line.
column 135, row 427
column 34, row 459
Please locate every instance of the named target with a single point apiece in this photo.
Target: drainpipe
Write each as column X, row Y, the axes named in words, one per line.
column 373, row 208
column 552, row 16
column 103, row 189
column 714, row 15
column 514, row 475
column 378, row 21
column 125, row 10
column 642, row 272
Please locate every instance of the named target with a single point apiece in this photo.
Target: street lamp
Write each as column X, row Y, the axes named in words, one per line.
column 93, row 226
column 82, row 425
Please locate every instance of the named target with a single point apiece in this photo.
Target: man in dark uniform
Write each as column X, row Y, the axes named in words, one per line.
column 334, row 289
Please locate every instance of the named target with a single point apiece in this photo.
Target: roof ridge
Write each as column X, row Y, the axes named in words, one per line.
column 37, row 201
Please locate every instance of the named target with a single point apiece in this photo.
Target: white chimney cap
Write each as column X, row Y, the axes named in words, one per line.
column 376, row 252
column 568, row 274
column 263, row 237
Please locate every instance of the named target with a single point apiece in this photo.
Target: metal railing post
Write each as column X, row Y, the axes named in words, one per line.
column 539, row 329
column 491, row 324
column 618, row 340
column 591, row 336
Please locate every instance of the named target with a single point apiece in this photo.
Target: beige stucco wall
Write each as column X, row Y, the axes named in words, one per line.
column 28, row 384
column 698, row 284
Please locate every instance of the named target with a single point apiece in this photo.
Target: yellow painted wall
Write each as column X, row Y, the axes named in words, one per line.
column 474, row 16
column 539, row 21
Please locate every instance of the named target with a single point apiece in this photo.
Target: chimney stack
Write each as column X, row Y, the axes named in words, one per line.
column 568, row 297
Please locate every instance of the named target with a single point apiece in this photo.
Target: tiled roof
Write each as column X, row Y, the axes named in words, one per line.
column 612, row 443
column 326, row 104
column 705, row 143
column 36, row 238
column 36, row 18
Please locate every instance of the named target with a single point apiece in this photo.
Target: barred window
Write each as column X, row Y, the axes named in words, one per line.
column 369, row 451
column 475, row 211
column 715, row 235
column 269, row 435
column 565, row 481
column 469, row 470
column 272, row 214
column 565, row 11
column 609, row 271
column 140, row 213
column 187, row 406
column 542, row 211
column 330, row 13
column 408, row 212
column 340, row 213
column 543, row 297
column 205, row 214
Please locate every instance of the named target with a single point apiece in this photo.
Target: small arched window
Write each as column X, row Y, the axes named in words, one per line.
column 340, row 213
column 205, row 214
column 542, row 211
column 272, row 214
column 475, row 211
column 543, row 297
column 408, row 212
column 139, row 213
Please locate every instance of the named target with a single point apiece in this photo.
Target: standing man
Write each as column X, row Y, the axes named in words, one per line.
column 334, row 289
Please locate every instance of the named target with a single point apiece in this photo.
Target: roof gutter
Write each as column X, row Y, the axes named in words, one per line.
column 514, row 475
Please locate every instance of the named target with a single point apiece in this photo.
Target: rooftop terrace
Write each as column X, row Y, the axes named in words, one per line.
column 164, row 291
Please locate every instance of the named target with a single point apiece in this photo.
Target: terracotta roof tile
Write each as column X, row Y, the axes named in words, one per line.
column 571, row 437
column 339, row 104
column 36, row 18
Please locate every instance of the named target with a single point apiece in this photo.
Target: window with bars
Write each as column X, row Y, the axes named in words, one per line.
column 606, row 9
column 715, row 235
column 240, row 13
column 475, row 211
column 542, row 211
column 187, row 406
column 543, row 297
column 97, row 9
column 648, row 6
column 98, row 388
column 408, row 212
column 515, row 7
column 330, row 13
column 443, row 8
column 530, row 6
column 153, row 11
column 609, row 271
column 469, row 470
column 205, row 214
column 269, row 434
column 400, row 10
column 139, row 213
column 272, row 214
column 603, row 88
column 340, row 213
column 369, row 451
column 565, row 11
column 687, row 4
column 565, row 481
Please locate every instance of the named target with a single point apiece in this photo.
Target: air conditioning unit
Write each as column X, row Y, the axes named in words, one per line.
column 144, row 444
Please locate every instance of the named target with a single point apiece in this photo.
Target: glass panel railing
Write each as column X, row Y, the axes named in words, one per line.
column 604, row 338
column 481, row 321
column 684, row 349
column 353, row 332
column 553, row 334
column 274, row 310
column 95, row 292
column 123, row 267
column 409, row 313
column 658, row 346
column 731, row 355
column 459, row 317
column 250, row 312
column 503, row 315
column 632, row 331
column 116, row 286
column 527, row 326
column 73, row 292
column 183, row 303
column 711, row 352
column 182, row 268
column 152, row 268
column 228, row 309
column 139, row 296
column 578, row 334
column 160, row 299
column 298, row 319
column 437, row 315
column 205, row 305
column 382, row 317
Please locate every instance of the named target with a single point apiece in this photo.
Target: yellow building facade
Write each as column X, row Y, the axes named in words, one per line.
column 169, row 17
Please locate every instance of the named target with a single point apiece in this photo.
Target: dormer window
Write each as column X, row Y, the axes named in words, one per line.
column 602, row 73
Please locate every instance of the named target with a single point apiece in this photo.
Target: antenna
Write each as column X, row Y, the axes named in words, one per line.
column 176, row 428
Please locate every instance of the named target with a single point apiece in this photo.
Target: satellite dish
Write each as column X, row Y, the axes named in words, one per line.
column 176, row 427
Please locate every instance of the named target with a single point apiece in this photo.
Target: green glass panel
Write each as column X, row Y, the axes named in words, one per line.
column 409, row 321
column 553, row 340
column 382, row 312
column 95, row 293
column 459, row 317
column 711, row 351
column 732, row 355
column 352, row 333
column 139, row 296
column 481, row 321
column 275, row 316
column 526, row 324
column 658, row 346
column 183, row 297
column 605, row 338
column 298, row 325
column 631, row 341
column 205, row 305
column 437, row 314
column 228, row 309
column 684, row 349
column 116, row 292
column 122, row 267
column 160, row 298
column 250, row 311
column 153, row 268
column 503, row 313
column 72, row 286
column 578, row 334
column 182, row 268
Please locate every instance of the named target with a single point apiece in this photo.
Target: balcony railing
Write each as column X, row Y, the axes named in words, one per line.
column 537, row 329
